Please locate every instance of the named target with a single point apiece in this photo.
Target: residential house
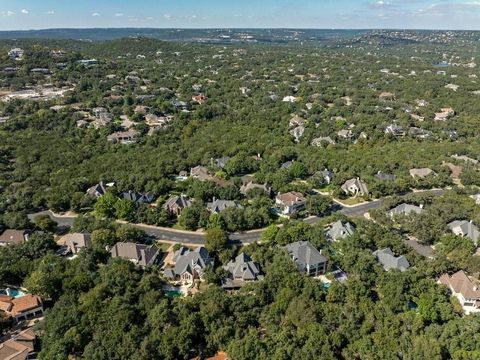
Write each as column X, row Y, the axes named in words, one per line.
column 290, row 202
column 307, row 258
column 200, row 173
column 21, row 346
column 87, row 62
column 21, row 308
column 242, row 270
column 77, row 241
column 444, row 114
column 13, row 237
column 318, row 141
column 177, row 203
column 287, row 164
column 395, row 130
column 326, row 175
column 218, row 206
column 466, row 159
column 102, row 117
column 123, row 137
column 244, row 189
column 389, row 261
column 421, row 172
column 387, row 96
column 476, row 197
column 465, row 289
column 190, row 265
column 419, row 133
column 137, row 197
column 355, row 187
column 98, row 190
column 465, row 229
column 16, row 54
column 297, row 133
column 339, row 230
column 140, row 254
column 345, row 134
column 404, row 209
column 220, row 162
column 290, row 99
column 384, row 176
column 297, row 121
column 199, row 99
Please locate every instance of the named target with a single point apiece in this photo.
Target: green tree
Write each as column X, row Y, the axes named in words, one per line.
column 105, row 205
column 215, row 240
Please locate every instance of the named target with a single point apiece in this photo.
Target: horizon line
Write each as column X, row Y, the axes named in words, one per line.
column 237, row 28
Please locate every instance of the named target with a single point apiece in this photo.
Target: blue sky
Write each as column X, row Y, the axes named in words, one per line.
column 350, row 14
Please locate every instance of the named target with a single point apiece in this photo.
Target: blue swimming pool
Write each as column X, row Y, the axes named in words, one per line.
column 16, row 293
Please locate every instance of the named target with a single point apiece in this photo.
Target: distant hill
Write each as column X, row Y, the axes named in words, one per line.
column 191, row 35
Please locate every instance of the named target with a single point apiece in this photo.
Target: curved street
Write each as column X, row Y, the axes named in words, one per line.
column 248, row 237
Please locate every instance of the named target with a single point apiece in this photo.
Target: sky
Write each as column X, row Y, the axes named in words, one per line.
column 320, row 14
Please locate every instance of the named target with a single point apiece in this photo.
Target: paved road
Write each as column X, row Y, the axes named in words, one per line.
column 249, row 237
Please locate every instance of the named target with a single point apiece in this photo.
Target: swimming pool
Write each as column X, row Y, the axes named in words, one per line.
column 15, row 293
column 173, row 294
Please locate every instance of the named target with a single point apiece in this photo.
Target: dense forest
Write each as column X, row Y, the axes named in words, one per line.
column 277, row 115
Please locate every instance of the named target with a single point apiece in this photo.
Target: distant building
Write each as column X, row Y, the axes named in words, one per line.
column 389, row 261
column 384, row 176
column 200, row 173
column 326, row 175
column 307, row 258
column 87, row 62
column 123, row 137
column 139, row 254
column 421, row 172
column 16, row 54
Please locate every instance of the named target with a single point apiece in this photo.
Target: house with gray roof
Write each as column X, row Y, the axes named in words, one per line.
column 190, row 265
column 140, row 254
column 176, row 204
column 217, row 206
column 339, row 230
column 97, row 190
column 220, row 162
column 404, row 209
column 137, row 197
column 355, row 187
column 326, row 175
column 242, row 270
column 389, row 261
column 465, row 229
column 384, row 176
column 307, row 258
